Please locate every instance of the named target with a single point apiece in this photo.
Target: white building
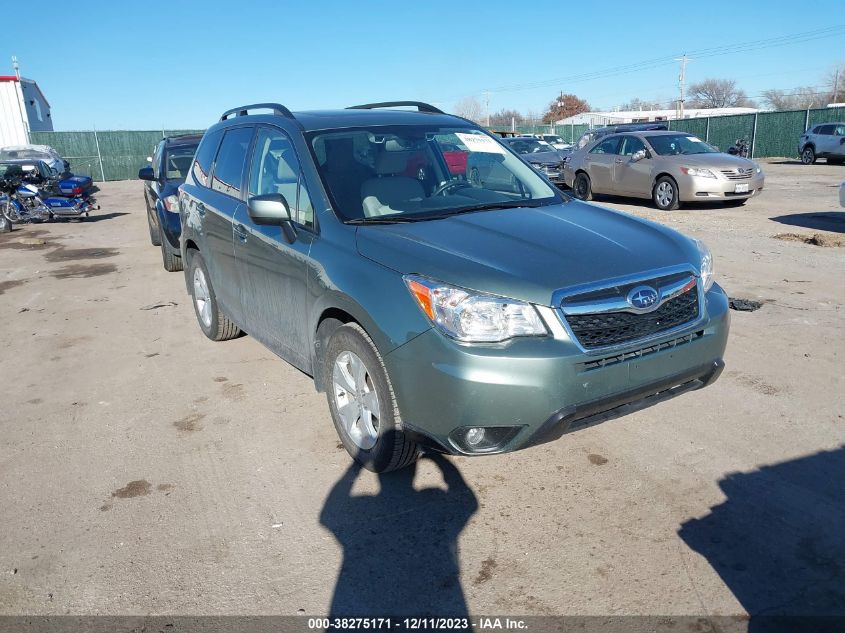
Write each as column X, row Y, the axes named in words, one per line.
column 598, row 119
column 23, row 109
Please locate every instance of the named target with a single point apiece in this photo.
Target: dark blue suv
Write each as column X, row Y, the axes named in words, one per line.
column 169, row 167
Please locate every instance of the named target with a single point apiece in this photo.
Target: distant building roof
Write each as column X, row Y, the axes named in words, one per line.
column 636, row 116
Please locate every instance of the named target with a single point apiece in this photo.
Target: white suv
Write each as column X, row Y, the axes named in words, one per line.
column 826, row 140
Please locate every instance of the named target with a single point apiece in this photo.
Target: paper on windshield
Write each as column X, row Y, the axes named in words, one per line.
column 694, row 139
column 480, row 143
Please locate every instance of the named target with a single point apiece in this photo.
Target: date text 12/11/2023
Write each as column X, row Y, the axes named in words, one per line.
column 417, row 624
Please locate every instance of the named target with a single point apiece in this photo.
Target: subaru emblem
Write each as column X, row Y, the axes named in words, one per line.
column 642, row 297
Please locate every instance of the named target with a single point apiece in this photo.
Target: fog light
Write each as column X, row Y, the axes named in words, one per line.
column 474, row 436
column 487, row 439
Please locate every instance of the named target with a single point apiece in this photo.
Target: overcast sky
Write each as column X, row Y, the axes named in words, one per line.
column 153, row 64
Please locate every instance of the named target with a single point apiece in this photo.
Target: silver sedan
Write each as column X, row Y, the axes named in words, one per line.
column 668, row 167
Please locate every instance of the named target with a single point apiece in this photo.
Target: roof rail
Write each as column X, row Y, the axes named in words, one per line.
column 277, row 108
column 421, row 107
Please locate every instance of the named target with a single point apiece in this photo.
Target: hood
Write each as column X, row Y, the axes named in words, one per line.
column 527, row 253
column 712, row 161
column 542, row 157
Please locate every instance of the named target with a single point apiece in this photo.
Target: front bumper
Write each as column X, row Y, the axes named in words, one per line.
column 698, row 189
column 546, row 384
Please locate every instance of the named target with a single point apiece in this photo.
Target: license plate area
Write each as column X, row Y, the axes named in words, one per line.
column 741, row 188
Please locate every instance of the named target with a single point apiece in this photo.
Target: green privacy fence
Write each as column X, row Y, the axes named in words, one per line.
column 118, row 154
column 769, row 133
column 108, row 154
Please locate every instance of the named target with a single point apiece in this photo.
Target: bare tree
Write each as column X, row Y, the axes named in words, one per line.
column 795, row 99
column 504, row 117
column 565, row 106
column 638, row 104
column 470, row 108
column 835, row 82
column 717, row 93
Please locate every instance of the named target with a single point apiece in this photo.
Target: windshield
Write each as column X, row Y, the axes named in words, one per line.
column 409, row 173
column 529, row 146
column 553, row 139
column 13, row 154
column 674, row 144
column 178, row 161
column 16, row 170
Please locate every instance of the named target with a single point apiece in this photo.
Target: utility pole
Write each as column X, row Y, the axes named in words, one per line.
column 17, row 67
column 487, row 106
column 681, row 85
column 835, row 85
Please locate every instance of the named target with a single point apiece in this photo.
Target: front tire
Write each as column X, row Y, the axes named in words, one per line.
column 583, row 187
column 172, row 263
column 808, row 156
column 665, row 194
column 362, row 404
column 213, row 323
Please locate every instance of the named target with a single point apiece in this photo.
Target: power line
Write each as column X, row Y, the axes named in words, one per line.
column 769, row 42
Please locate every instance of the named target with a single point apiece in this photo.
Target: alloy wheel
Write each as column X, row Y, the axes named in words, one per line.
column 356, row 400
column 202, row 297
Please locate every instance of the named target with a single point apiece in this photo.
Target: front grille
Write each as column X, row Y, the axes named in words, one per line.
column 614, row 328
column 732, row 174
column 621, row 357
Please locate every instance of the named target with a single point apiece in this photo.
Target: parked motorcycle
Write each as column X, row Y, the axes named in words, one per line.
column 21, row 202
column 740, row 148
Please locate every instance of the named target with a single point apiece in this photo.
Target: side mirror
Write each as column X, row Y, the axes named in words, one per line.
column 149, row 159
column 146, row 173
column 638, row 156
column 272, row 209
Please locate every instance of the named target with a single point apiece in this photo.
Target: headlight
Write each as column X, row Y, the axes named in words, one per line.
column 473, row 317
column 171, row 203
column 757, row 169
column 706, row 266
column 698, row 171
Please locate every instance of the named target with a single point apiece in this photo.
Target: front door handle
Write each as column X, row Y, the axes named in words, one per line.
column 240, row 232
column 201, row 209
column 618, row 161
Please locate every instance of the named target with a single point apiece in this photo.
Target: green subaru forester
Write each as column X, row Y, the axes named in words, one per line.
column 443, row 293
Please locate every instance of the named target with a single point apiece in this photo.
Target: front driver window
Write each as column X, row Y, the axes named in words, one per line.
column 607, row 146
column 631, row 145
column 275, row 169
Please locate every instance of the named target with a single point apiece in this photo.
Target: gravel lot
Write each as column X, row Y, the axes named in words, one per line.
column 145, row 469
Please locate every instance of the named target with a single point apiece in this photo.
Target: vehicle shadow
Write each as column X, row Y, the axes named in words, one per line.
column 778, row 542
column 104, row 216
column 833, row 221
column 400, row 553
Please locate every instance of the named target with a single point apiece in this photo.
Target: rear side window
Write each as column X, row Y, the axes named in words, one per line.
column 825, row 129
column 206, row 152
column 229, row 165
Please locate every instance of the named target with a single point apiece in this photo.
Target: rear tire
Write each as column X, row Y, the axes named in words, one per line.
column 172, row 263
column 582, row 187
column 362, row 403
column 155, row 239
column 213, row 323
column 665, row 194
column 808, row 155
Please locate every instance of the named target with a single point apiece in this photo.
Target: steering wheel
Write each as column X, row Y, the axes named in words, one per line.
column 450, row 184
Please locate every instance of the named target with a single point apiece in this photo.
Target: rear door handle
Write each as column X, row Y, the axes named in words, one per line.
column 240, row 232
column 618, row 160
column 201, row 209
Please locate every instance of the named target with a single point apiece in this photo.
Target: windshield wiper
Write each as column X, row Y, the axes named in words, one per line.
column 405, row 219
column 387, row 220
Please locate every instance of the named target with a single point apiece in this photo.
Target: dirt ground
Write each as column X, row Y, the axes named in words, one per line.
column 147, row 470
